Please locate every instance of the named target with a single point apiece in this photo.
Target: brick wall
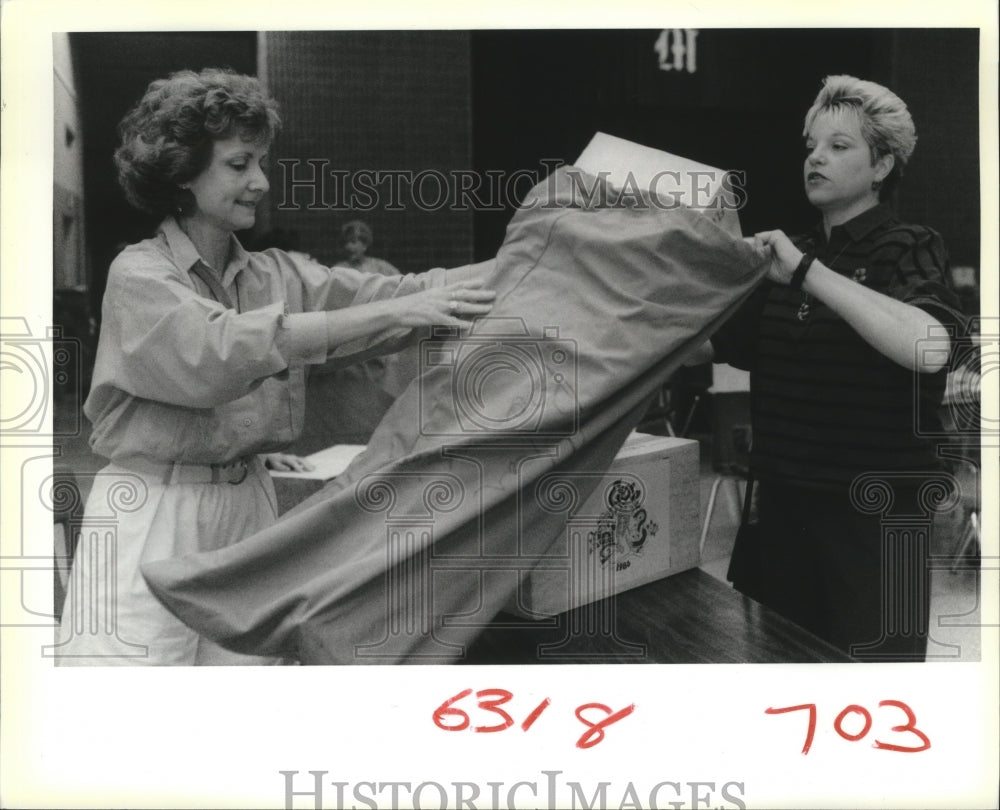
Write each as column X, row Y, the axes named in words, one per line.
column 372, row 101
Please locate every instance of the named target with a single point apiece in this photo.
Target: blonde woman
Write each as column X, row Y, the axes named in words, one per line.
column 831, row 340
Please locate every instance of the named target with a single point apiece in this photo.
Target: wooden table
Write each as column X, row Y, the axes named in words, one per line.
column 688, row 618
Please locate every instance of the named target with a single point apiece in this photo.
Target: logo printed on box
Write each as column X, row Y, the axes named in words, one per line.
column 622, row 530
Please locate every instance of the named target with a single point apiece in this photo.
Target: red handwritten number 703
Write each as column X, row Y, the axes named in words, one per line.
column 448, row 718
column 910, row 726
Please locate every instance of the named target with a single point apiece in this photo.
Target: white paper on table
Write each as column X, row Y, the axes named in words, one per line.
column 327, row 464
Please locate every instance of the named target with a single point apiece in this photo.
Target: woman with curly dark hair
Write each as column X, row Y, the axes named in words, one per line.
column 201, row 359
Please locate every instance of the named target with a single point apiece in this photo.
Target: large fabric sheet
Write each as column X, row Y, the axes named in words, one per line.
column 468, row 481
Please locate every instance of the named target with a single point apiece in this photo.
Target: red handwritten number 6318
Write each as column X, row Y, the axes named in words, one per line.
column 910, row 726
column 448, row 717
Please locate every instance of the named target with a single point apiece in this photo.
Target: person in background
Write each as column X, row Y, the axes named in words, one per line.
column 833, row 342
column 201, row 358
column 355, row 240
column 344, row 404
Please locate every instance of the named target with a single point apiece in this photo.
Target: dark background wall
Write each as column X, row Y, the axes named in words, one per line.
column 504, row 101
column 372, row 101
column 936, row 72
column 542, row 94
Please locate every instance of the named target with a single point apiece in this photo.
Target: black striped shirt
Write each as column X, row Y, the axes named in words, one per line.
column 826, row 405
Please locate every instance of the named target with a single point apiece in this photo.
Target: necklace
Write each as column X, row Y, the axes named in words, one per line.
column 806, row 307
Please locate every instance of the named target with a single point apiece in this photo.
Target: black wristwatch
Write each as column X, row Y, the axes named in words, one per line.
column 799, row 276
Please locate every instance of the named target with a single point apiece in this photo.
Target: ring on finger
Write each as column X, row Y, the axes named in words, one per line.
column 452, row 305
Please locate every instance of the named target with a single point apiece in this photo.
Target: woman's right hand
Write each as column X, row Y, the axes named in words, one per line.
column 775, row 247
column 451, row 305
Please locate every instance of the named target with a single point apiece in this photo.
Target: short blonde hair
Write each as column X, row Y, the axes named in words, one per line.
column 886, row 124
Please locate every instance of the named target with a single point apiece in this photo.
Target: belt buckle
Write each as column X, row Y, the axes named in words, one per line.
column 235, row 472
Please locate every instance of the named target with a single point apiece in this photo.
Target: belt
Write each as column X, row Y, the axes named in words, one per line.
column 179, row 472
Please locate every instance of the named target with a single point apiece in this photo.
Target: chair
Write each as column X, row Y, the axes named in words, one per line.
column 676, row 405
column 969, row 539
column 658, row 420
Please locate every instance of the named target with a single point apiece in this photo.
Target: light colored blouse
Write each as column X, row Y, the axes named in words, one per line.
column 179, row 376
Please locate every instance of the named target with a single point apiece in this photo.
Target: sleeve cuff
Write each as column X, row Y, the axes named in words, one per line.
column 302, row 336
column 947, row 315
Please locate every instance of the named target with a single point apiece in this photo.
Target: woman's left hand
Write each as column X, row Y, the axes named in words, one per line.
column 286, row 462
column 776, row 248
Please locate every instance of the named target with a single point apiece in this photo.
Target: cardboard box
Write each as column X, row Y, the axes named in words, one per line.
column 641, row 523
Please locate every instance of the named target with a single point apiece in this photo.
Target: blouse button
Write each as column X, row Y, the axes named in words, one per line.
column 247, row 422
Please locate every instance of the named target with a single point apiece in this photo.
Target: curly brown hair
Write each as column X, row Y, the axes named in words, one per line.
column 167, row 138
